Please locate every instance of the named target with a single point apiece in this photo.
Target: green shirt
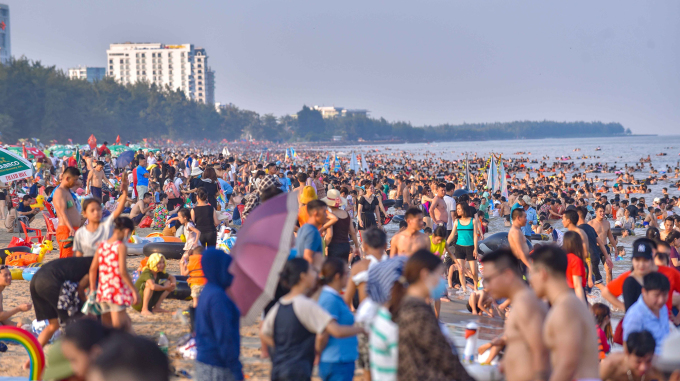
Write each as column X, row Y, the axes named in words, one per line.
column 140, row 284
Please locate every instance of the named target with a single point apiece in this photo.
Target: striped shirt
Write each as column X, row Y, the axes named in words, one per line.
column 383, row 347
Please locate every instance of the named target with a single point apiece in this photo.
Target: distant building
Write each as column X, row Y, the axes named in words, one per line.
column 333, row 112
column 337, row 138
column 180, row 67
column 91, row 74
column 5, row 40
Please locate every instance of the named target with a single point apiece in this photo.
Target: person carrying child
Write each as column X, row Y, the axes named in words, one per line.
column 115, row 291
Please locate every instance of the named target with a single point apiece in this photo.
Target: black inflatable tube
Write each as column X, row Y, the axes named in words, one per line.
column 619, row 231
column 389, row 203
column 495, row 242
column 23, row 249
column 182, row 291
column 397, row 218
column 171, row 250
column 180, row 277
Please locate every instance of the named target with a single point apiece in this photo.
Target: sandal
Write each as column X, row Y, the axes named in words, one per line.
column 68, row 244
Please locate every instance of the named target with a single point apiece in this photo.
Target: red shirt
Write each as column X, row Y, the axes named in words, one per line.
column 575, row 267
column 673, row 275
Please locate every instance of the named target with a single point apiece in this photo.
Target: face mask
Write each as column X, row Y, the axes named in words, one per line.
column 439, row 289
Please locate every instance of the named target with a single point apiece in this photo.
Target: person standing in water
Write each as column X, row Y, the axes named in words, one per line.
column 569, row 332
column 411, row 239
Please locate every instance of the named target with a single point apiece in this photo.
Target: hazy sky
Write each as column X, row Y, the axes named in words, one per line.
column 427, row 62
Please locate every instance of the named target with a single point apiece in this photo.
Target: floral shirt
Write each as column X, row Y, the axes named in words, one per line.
column 160, row 215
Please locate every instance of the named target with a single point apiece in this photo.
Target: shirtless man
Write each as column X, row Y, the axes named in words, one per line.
column 569, row 332
column 526, row 357
column 604, row 232
column 96, row 178
column 634, row 363
column 6, row 280
column 410, row 239
column 65, row 205
column 438, row 208
column 570, row 221
column 517, row 240
column 406, row 194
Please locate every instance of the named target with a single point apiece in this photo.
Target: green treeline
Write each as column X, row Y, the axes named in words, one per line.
column 41, row 101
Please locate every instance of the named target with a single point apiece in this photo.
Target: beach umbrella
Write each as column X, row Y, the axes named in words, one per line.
column 124, row 159
column 13, row 167
column 35, row 153
column 460, row 192
column 261, row 250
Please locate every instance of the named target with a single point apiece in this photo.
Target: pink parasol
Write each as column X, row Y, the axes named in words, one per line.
column 261, row 250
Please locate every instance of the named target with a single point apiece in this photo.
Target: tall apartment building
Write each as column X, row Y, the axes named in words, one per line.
column 179, row 67
column 5, row 40
column 91, row 74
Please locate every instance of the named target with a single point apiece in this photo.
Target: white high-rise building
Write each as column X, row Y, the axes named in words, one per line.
column 5, row 40
column 89, row 73
column 176, row 66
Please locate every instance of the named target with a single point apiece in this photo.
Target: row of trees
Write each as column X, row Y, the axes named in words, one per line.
column 40, row 101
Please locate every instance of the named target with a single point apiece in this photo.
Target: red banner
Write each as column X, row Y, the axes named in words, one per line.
column 118, row 140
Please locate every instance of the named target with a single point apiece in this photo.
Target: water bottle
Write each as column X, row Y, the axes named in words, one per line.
column 163, row 343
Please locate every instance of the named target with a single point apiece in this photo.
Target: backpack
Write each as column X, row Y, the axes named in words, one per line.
column 171, row 189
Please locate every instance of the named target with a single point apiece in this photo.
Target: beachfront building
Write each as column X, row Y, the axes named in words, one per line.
column 5, row 40
column 179, row 67
column 334, row 112
column 91, row 74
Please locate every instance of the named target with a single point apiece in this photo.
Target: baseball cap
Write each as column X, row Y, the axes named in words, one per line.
column 644, row 248
column 58, row 367
column 527, row 199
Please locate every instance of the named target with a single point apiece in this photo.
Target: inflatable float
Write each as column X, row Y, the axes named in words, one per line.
column 15, row 249
column 397, row 218
column 31, row 345
column 616, row 232
column 135, row 248
column 28, row 272
column 182, row 291
column 171, row 250
column 389, row 203
column 495, row 242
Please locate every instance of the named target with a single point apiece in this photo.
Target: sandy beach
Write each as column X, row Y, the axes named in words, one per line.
column 11, row 361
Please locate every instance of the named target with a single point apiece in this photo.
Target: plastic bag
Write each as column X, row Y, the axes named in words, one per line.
column 17, row 241
column 91, row 306
column 145, row 223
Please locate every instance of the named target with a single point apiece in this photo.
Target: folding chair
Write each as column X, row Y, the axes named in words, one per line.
column 50, row 209
column 38, row 237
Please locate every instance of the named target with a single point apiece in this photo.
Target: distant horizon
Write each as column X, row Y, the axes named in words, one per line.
column 436, row 63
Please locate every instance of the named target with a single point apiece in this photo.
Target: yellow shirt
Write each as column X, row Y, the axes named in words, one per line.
column 437, row 249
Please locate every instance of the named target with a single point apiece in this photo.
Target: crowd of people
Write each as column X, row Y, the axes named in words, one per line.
column 350, row 295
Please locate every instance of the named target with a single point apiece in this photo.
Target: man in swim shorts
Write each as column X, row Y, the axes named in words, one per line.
column 569, row 332
column 65, row 205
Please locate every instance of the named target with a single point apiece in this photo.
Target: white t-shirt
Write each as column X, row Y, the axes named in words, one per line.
column 310, row 315
column 450, row 207
column 87, row 242
column 151, row 160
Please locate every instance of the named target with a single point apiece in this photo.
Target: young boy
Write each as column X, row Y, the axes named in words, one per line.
column 190, row 266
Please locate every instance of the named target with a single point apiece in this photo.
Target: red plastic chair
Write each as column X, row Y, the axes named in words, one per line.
column 38, row 237
column 50, row 209
column 51, row 231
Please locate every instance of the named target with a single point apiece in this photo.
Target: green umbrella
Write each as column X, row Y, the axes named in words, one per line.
column 14, row 167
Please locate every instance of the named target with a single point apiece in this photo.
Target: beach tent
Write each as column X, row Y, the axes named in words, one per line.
column 13, row 167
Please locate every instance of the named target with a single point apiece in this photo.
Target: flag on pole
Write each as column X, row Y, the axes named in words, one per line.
column 353, row 164
column 364, row 166
column 23, row 151
column 77, row 157
column 92, row 141
column 118, row 140
column 287, row 157
column 337, row 167
column 504, row 180
column 467, row 173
